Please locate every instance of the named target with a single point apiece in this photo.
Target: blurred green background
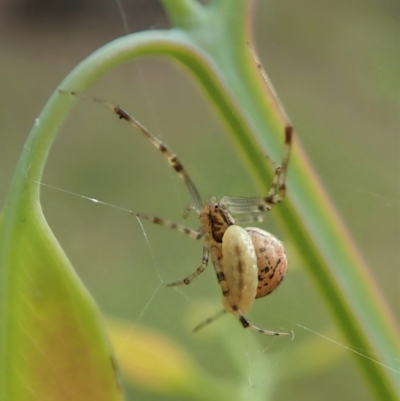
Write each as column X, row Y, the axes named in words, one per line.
column 336, row 67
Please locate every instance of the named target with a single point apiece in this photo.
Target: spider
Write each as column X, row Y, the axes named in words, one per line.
column 249, row 262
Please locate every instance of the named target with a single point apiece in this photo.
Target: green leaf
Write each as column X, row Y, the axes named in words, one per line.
column 52, row 346
column 52, row 341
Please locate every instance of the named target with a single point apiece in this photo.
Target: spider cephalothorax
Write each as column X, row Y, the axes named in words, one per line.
column 215, row 218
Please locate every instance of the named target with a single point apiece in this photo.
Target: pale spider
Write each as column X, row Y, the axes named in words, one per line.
column 249, row 263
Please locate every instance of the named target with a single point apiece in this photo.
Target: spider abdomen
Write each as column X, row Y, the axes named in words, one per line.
column 239, row 266
column 271, row 260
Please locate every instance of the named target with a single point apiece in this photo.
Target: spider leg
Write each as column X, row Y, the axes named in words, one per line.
column 209, row 320
column 172, row 159
column 275, row 194
column 242, row 319
column 194, row 234
column 249, row 218
column 204, row 262
column 249, row 326
column 278, row 187
column 187, row 211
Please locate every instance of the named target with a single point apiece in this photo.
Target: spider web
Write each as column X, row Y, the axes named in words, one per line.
column 138, row 258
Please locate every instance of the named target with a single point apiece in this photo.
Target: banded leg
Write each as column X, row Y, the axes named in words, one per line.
column 275, row 194
column 242, row 319
column 249, row 326
column 194, row 234
column 171, row 158
column 278, row 187
column 204, row 262
column 209, row 320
